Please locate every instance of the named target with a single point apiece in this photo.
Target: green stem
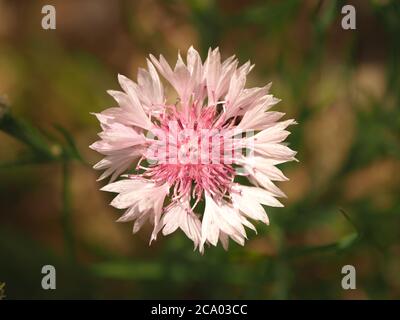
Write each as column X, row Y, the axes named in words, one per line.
column 29, row 135
column 66, row 217
column 45, row 150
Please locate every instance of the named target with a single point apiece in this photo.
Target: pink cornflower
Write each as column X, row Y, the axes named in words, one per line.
column 192, row 152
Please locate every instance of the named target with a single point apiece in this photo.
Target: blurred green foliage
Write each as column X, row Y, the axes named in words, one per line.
column 343, row 205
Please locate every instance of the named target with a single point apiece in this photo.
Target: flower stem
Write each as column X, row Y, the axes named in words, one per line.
column 66, row 216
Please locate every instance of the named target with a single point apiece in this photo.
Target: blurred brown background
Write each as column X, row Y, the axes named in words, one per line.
column 343, row 205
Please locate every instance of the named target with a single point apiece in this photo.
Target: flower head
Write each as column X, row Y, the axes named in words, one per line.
column 181, row 155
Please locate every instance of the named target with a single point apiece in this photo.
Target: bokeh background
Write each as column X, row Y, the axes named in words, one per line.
column 343, row 204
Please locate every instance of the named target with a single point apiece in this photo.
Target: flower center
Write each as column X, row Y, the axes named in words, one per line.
column 190, row 153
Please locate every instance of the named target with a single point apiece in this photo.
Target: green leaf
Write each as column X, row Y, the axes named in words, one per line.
column 128, row 270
